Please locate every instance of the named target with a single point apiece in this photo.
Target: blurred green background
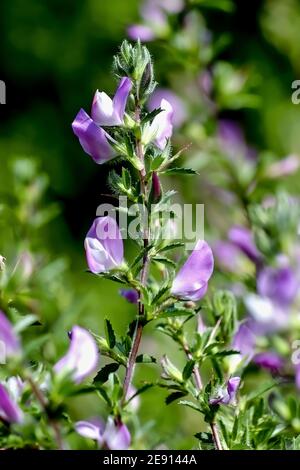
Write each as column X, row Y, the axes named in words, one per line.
column 54, row 55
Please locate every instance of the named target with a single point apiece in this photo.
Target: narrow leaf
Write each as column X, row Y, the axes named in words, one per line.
column 174, row 396
column 145, row 359
column 180, row 171
column 188, row 369
column 104, row 373
column 110, row 334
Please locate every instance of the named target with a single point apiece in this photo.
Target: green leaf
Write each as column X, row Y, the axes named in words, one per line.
column 131, row 329
column 140, row 256
column 110, row 334
column 24, row 322
column 190, row 404
column 261, row 390
column 103, row 394
column 36, row 344
column 104, row 373
column 171, row 246
column 159, row 294
column 180, row 171
column 112, row 277
column 188, row 369
column 126, row 178
column 235, row 428
column 157, row 161
column 174, row 396
column 164, row 260
column 141, row 390
column 204, row 437
column 145, row 359
column 217, row 368
column 81, row 391
column 151, row 116
column 229, row 352
column 178, row 311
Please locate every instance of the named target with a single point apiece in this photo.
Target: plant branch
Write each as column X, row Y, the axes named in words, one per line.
column 144, row 272
column 199, row 385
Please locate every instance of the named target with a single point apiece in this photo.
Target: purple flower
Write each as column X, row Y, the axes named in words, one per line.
column 243, row 239
column 179, row 115
column 15, row 386
column 231, row 136
column 110, row 112
column 154, row 13
column 161, row 127
column 9, row 410
column 284, row 167
column 228, row 256
column 227, row 396
column 8, row 338
column 278, row 284
column 82, row 357
column 244, row 340
column 142, row 32
column 191, row 281
column 267, row 315
column 232, row 140
column 131, row 295
column 104, row 245
column 113, row 436
column 269, row 360
column 93, row 139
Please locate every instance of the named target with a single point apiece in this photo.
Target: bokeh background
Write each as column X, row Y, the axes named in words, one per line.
column 54, row 55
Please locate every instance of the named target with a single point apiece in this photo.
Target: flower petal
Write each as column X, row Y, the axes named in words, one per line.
column 232, row 388
column 269, row 360
column 8, row 338
column 82, row 357
column 91, row 429
column 179, row 115
column 142, row 32
column 9, row 410
column 280, row 285
column 191, row 280
column 103, row 110
column 243, row 239
column 92, row 138
column 104, row 245
column 161, row 127
column 130, row 295
column 121, row 96
column 116, row 436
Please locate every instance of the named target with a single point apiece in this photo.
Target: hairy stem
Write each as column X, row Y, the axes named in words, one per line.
column 216, row 436
column 144, row 272
column 199, row 385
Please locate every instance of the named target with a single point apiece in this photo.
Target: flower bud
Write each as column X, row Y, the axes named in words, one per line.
column 170, row 371
column 156, row 193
